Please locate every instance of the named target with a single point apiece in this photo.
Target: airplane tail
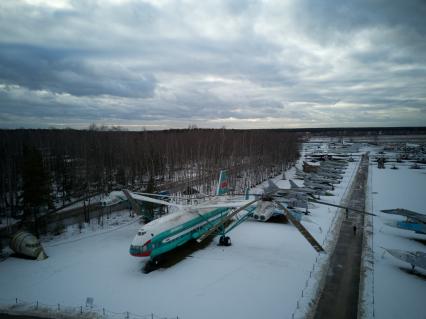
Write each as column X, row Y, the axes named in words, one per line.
column 271, row 188
column 222, row 187
column 293, row 184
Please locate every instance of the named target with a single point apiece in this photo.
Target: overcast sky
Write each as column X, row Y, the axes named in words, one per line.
column 241, row 64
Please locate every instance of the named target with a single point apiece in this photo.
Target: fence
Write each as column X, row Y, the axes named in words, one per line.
column 18, row 306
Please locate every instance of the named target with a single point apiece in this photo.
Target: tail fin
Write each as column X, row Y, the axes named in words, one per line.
column 222, row 187
column 293, row 184
column 271, row 188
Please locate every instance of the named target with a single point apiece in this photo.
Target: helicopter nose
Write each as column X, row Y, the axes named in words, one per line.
column 135, row 250
column 139, row 251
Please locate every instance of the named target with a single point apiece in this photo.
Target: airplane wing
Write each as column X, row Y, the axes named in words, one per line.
column 406, row 213
column 417, row 258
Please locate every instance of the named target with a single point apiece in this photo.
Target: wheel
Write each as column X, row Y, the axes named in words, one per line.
column 151, row 265
column 227, row 241
column 222, row 241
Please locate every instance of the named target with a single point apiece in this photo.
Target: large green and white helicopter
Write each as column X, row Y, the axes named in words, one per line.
column 217, row 215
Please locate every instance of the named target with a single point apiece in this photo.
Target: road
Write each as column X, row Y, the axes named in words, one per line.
column 339, row 298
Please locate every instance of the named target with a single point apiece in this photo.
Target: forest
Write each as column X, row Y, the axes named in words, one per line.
column 44, row 169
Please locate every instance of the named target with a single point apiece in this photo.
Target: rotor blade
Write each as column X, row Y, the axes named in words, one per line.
column 301, row 228
column 225, row 219
column 340, row 206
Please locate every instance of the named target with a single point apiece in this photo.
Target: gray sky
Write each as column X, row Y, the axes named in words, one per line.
column 241, row 64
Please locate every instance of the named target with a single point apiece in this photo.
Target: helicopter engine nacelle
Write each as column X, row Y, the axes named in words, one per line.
column 26, row 244
column 264, row 211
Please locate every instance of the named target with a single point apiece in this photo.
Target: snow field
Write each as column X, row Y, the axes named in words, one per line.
column 390, row 289
column 263, row 274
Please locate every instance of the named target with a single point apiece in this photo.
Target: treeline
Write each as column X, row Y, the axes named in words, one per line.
column 59, row 165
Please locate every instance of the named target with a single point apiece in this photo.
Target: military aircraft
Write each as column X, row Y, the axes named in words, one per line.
column 317, row 185
column 321, row 180
column 326, row 174
column 331, row 170
column 316, row 177
column 216, row 214
column 414, row 258
column 299, row 189
column 334, row 164
column 414, row 221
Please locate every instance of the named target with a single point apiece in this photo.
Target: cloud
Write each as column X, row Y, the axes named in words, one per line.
column 70, row 71
column 240, row 63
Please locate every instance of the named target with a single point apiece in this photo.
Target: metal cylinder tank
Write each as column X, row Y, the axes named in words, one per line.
column 26, row 244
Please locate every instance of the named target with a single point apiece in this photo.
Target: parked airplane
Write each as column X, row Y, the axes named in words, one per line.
column 325, row 168
column 316, row 185
column 329, row 175
column 330, row 170
column 299, row 189
column 414, row 258
column 322, row 180
column 318, row 178
column 414, row 221
column 338, row 164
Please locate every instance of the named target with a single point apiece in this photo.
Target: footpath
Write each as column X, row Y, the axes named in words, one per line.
column 339, row 297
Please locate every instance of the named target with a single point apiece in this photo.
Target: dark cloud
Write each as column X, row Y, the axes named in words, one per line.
column 330, row 21
column 69, row 71
column 239, row 63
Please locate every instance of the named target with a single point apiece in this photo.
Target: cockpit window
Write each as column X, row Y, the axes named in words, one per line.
column 141, row 232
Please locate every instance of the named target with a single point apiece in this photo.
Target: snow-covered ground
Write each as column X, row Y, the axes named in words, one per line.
column 270, row 271
column 391, row 290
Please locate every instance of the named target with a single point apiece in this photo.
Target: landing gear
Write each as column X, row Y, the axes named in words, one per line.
column 151, row 265
column 225, row 241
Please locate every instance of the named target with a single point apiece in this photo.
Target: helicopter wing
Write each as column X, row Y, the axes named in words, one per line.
column 225, row 220
column 148, row 199
column 228, row 204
